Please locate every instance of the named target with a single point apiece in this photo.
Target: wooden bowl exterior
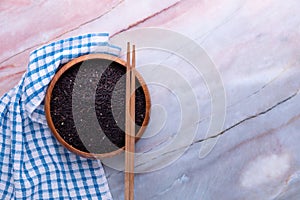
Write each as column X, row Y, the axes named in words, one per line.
column 48, row 99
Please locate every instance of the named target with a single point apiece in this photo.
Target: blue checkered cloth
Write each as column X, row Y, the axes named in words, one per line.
column 33, row 165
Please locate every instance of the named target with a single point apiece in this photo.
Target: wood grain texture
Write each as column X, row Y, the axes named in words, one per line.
column 255, row 46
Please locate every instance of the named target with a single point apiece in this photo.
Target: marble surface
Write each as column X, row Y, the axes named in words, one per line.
column 255, row 46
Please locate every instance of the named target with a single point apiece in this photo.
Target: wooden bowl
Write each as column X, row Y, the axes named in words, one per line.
column 58, row 75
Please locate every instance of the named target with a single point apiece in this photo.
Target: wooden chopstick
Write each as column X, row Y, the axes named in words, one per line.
column 132, row 129
column 127, row 126
column 130, row 125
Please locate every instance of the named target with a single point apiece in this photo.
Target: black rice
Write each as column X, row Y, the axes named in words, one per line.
column 95, row 100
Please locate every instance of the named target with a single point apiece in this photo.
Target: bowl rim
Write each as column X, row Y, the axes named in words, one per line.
column 56, row 77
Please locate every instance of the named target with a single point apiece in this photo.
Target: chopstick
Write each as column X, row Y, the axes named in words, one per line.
column 130, row 125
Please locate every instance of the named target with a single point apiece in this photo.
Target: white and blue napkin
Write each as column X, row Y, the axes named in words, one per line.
column 33, row 164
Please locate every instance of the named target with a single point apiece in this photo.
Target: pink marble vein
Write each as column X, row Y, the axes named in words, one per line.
column 25, row 25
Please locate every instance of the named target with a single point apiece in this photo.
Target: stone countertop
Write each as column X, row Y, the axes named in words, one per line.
column 255, row 47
